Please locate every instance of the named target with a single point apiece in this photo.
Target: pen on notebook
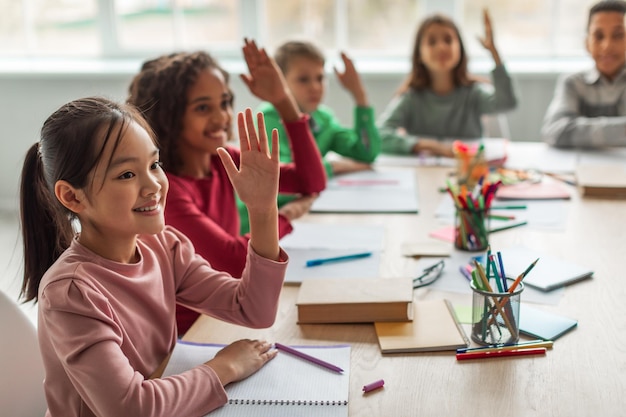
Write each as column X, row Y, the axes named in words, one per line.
column 321, row 261
column 512, row 346
column 309, row 358
column 374, row 385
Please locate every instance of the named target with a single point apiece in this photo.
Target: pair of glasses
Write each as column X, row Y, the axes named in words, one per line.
column 429, row 275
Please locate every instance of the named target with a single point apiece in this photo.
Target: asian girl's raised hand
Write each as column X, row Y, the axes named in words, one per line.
column 256, row 182
column 256, row 179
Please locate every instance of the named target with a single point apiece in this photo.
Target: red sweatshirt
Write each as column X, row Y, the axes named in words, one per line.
column 205, row 209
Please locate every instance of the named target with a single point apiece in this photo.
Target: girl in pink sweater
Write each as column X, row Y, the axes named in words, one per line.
column 187, row 101
column 107, row 294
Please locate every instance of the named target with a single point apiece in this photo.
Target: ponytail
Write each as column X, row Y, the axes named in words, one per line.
column 71, row 145
column 46, row 228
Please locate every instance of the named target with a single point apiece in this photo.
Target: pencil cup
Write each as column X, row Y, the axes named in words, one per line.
column 471, row 229
column 495, row 316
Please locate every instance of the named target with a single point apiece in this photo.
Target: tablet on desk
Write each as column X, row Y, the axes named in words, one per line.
column 542, row 324
column 549, row 273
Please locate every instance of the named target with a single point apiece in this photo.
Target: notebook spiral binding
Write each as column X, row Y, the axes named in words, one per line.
column 285, row 402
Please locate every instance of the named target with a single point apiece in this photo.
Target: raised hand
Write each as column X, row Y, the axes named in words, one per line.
column 265, row 80
column 487, row 42
column 241, row 359
column 256, row 179
column 351, row 81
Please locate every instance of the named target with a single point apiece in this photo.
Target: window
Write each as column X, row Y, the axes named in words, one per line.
column 365, row 28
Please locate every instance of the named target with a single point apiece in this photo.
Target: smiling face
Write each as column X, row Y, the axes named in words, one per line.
column 440, row 49
column 606, row 42
column 126, row 197
column 306, row 79
column 208, row 116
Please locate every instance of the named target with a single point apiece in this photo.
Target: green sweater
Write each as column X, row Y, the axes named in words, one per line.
column 361, row 142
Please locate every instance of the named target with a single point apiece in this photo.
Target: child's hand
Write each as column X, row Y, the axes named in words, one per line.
column 298, row 207
column 256, row 180
column 351, row 81
column 487, row 42
column 241, row 359
column 266, row 80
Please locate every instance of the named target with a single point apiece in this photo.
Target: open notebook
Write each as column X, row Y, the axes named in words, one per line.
column 286, row 386
column 389, row 191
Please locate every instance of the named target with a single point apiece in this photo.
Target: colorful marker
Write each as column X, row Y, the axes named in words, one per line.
column 309, row 358
column 500, row 353
column 322, row 261
column 374, row 385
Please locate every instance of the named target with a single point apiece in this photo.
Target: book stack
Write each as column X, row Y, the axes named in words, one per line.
column 401, row 324
column 603, row 181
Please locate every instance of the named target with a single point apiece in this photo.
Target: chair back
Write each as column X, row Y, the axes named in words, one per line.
column 21, row 381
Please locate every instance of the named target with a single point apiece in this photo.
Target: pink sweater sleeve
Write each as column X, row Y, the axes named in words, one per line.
column 306, row 174
column 88, row 343
column 251, row 301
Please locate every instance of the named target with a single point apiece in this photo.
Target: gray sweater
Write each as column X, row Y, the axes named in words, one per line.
column 587, row 110
column 424, row 114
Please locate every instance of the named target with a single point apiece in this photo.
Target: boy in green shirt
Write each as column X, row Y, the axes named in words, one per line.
column 302, row 63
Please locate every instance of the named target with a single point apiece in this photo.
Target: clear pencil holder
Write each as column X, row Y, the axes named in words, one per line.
column 471, row 229
column 495, row 315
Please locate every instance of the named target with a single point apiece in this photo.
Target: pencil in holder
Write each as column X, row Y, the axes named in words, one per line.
column 495, row 315
column 471, row 229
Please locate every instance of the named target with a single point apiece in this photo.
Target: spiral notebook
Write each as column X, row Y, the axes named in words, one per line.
column 286, row 386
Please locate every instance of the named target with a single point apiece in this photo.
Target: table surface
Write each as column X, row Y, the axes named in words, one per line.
column 584, row 374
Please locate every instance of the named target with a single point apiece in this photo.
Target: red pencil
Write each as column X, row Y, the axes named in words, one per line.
column 499, row 353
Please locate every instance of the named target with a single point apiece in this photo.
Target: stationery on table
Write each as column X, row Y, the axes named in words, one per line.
column 354, row 300
column 495, row 153
column 373, row 386
column 285, row 386
column 307, row 357
column 333, row 250
column 376, row 191
column 434, row 328
column 546, row 189
column 543, row 324
column 500, row 353
column 549, row 274
column 509, row 346
column 495, row 308
column 605, row 181
column 472, row 202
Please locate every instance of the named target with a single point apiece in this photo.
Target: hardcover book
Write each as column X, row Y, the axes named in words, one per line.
column 355, row 300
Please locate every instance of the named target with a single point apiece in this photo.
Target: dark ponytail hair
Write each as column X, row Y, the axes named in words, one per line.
column 71, row 145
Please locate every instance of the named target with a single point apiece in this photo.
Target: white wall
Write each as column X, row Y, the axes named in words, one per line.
column 27, row 98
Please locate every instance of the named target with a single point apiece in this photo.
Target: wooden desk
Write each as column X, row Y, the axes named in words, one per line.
column 584, row 375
